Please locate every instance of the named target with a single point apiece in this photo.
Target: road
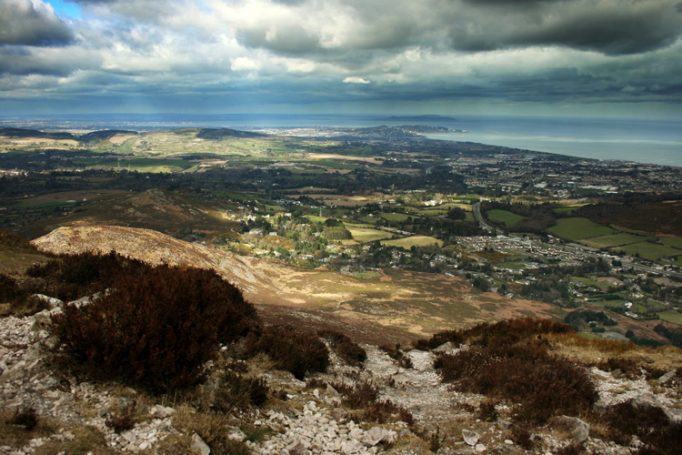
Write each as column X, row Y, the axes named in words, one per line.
column 479, row 218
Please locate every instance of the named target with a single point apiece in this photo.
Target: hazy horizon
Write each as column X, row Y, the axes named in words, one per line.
column 644, row 141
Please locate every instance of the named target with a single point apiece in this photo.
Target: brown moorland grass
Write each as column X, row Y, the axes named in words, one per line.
column 291, row 350
column 649, row 423
column 344, row 347
column 155, row 328
column 510, row 360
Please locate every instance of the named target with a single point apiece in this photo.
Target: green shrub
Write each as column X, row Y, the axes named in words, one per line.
column 292, row 350
column 155, row 326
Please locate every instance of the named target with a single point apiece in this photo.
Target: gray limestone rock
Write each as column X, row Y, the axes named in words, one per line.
column 576, row 430
column 470, row 437
column 377, row 435
column 161, row 412
column 199, row 446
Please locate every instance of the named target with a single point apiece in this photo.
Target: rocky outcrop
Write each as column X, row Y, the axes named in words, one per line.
column 153, row 248
column 304, row 420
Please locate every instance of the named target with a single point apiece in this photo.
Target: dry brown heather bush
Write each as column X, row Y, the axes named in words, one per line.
column 359, row 395
column 291, row 350
column 593, row 344
column 87, row 440
column 155, row 326
column 26, row 418
column 365, row 395
column 628, row 367
column 395, row 352
column 344, row 347
column 121, row 420
column 19, row 426
column 10, row 291
column 649, row 423
column 71, row 276
column 506, row 366
column 211, row 428
column 572, row 449
column 237, row 392
column 440, row 338
column 505, row 332
column 522, row 436
column 487, row 411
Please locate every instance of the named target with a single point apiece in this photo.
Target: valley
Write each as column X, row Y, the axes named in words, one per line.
column 373, row 224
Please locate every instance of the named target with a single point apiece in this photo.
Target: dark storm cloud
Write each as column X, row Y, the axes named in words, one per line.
column 24, row 60
column 609, row 26
column 330, row 28
column 179, row 53
column 31, row 23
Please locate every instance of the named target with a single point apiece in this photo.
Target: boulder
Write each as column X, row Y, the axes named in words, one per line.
column 576, row 430
column 199, row 446
column 470, row 437
column 236, row 434
column 51, row 302
column 377, row 435
column 667, row 376
column 161, row 412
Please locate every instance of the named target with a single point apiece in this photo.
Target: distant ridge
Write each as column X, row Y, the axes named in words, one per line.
column 421, row 118
column 94, row 136
column 102, row 135
column 21, row 132
column 221, row 133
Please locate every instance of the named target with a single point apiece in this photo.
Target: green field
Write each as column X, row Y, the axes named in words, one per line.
column 648, row 250
column 671, row 316
column 675, row 242
column 608, row 241
column 567, row 209
column 415, row 240
column 395, row 217
column 152, row 165
column 578, row 229
column 432, row 212
column 590, row 283
column 363, row 234
column 505, row 217
column 512, row 265
column 316, row 219
column 610, row 304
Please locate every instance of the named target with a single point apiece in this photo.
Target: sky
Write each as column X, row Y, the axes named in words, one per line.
column 575, row 58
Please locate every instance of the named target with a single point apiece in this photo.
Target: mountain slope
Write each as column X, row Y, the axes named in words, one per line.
column 411, row 302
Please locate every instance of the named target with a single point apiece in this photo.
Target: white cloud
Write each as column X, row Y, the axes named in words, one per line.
column 322, row 48
column 245, row 64
column 355, row 80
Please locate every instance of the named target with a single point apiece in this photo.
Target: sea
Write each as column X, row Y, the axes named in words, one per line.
column 644, row 141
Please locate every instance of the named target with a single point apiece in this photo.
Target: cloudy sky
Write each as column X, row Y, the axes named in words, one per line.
column 588, row 58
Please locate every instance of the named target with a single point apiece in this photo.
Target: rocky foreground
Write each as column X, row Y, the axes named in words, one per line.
column 75, row 415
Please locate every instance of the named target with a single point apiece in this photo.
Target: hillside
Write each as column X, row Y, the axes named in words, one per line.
column 606, row 398
column 416, row 304
column 300, row 377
